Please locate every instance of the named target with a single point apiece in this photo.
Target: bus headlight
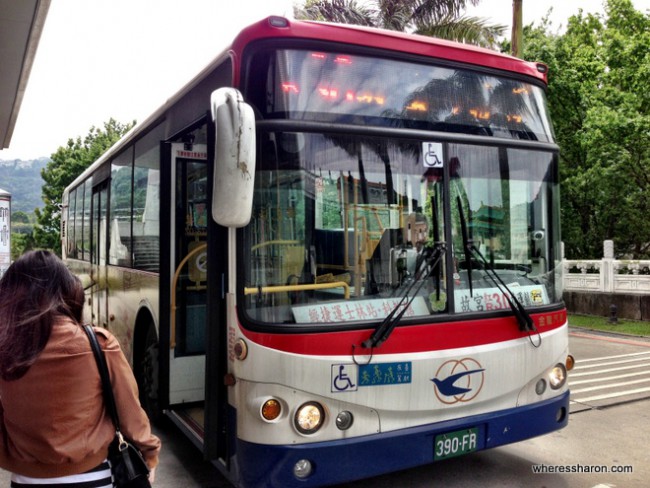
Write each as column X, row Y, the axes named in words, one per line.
column 557, row 376
column 309, row 417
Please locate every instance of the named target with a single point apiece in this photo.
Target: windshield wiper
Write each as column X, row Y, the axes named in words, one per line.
column 524, row 319
column 436, row 239
column 432, row 258
column 467, row 244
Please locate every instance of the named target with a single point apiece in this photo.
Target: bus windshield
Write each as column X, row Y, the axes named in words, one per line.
column 339, row 87
column 342, row 223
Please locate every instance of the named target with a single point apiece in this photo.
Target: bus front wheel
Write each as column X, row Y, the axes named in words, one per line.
column 146, row 366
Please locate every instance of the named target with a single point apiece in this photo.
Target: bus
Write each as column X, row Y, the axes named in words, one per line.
column 335, row 253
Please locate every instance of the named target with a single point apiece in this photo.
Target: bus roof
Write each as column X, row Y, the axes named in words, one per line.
column 282, row 28
column 398, row 42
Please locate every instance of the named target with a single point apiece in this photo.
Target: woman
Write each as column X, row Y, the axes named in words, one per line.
column 53, row 424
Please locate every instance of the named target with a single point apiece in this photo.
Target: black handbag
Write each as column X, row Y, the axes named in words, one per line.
column 127, row 464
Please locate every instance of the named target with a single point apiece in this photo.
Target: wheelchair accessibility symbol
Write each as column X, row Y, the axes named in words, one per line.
column 432, row 154
column 344, row 377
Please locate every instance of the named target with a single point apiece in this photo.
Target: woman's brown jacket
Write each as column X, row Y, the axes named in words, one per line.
column 53, row 421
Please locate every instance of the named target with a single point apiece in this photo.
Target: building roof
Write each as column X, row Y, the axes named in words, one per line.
column 21, row 24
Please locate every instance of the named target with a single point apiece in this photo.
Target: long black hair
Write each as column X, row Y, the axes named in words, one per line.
column 35, row 290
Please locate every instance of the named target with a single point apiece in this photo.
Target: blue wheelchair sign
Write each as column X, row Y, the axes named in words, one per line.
column 344, row 377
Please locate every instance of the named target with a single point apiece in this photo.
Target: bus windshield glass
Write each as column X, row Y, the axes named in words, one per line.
column 344, row 226
column 340, row 87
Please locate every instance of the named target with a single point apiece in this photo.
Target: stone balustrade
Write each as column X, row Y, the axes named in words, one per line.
column 607, row 275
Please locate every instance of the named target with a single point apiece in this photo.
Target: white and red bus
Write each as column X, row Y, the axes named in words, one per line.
column 335, row 253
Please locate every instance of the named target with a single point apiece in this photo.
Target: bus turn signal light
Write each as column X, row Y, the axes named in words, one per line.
column 281, row 22
column 570, row 362
column 240, row 349
column 271, row 409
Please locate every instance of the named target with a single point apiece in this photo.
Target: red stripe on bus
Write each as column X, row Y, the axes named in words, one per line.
column 399, row 42
column 407, row 339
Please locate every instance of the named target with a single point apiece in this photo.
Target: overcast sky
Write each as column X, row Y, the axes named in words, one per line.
column 99, row 59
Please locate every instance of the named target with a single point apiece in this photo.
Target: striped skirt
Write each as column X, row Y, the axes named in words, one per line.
column 99, row 477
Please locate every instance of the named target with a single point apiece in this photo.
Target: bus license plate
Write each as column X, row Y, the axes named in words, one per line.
column 455, row 443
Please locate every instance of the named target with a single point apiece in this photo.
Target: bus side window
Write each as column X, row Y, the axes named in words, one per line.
column 146, row 202
column 119, row 247
column 71, row 250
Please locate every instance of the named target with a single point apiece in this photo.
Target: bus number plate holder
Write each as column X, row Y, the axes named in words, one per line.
column 455, row 443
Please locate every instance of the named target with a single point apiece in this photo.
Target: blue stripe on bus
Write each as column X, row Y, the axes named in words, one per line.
column 261, row 465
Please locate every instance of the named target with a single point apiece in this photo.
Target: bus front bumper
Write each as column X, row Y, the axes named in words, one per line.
column 340, row 461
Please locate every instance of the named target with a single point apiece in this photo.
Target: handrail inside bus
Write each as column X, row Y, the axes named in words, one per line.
column 177, row 273
column 308, row 286
column 274, row 243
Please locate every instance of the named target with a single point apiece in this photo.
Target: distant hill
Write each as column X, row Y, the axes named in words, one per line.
column 23, row 180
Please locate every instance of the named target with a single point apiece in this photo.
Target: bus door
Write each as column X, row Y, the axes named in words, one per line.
column 188, row 287
column 99, row 269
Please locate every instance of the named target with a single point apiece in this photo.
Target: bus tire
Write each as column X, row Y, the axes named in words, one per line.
column 147, row 373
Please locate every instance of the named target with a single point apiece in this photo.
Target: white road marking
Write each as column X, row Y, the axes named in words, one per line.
column 611, row 385
column 611, row 395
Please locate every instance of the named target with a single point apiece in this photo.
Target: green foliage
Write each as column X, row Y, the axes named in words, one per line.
column 340, row 11
column 623, row 326
column 438, row 18
column 470, row 30
column 19, row 217
column 599, row 98
column 22, row 233
column 23, row 180
column 21, row 243
column 67, row 163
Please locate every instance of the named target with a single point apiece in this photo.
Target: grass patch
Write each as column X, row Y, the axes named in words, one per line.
column 624, row 326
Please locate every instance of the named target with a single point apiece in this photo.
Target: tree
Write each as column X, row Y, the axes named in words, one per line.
column 20, row 244
column 436, row 18
column 67, row 163
column 600, row 105
column 19, row 217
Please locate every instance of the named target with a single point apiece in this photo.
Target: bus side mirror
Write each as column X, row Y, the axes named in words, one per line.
column 234, row 164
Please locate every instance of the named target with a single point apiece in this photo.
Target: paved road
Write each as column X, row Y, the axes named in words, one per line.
column 609, row 426
column 618, row 373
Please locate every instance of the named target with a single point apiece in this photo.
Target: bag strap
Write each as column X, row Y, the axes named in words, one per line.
column 107, row 389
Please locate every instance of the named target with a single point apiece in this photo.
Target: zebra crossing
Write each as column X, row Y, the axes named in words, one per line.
column 603, row 381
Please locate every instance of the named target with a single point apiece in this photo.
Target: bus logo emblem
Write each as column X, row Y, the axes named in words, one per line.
column 458, row 380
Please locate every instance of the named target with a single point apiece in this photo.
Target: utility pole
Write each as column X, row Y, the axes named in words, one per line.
column 517, row 39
